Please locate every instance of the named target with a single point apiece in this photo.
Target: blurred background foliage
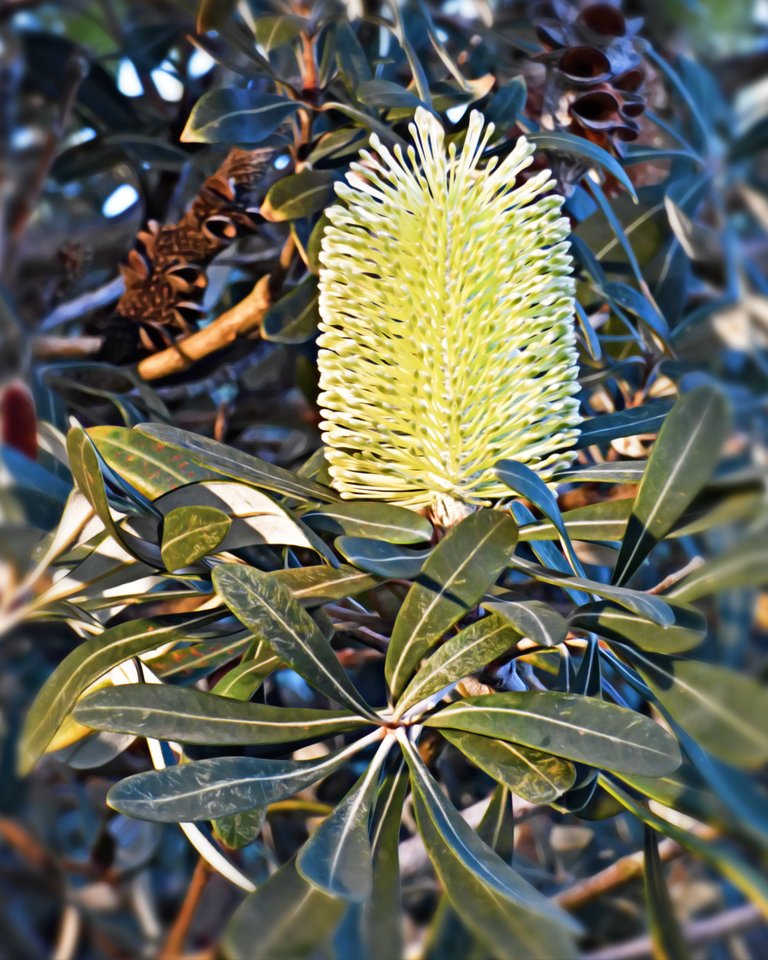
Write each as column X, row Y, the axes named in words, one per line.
column 95, row 99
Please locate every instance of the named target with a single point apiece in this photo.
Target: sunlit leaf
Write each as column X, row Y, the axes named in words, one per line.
column 191, row 533
column 460, row 569
column 580, row 728
column 379, row 521
column 236, row 115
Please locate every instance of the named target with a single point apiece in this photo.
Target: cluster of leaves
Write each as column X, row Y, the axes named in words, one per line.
column 274, row 560
column 565, row 649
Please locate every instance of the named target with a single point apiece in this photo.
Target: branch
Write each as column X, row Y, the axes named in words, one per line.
column 243, row 318
column 696, row 934
column 174, row 944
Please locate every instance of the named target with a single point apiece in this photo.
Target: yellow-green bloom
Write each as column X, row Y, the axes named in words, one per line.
column 446, row 303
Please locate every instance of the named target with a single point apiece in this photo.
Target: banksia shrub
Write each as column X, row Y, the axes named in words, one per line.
column 447, row 308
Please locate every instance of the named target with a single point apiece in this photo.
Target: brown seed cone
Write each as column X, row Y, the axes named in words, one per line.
column 165, row 278
column 594, row 72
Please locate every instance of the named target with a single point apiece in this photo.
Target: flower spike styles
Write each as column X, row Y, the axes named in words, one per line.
column 447, row 340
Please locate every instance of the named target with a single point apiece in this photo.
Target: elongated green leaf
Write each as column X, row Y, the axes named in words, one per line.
column 719, row 855
column 298, row 195
column 579, row 728
column 381, row 558
column 526, row 483
column 379, row 521
column 267, row 608
column 243, row 680
column 625, row 423
column 274, row 32
column 236, row 115
column 611, row 623
column 284, row 919
column 385, row 93
column 666, row 935
column 381, row 919
column 239, row 466
column 495, row 901
column 460, row 569
column 471, row 649
column 192, row 716
column 644, row 604
column 211, row 14
column 533, row 619
column 535, row 776
column 313, row 585
column 744, row 565
column 84, row 463
column 152, row 467
column 338, row 856
column 721, row 709
column 294, row 318
column 617, row 471
column 681, row 462
column 210, row 789
column 191, row 533
column 571, row 145
column 255, row 517
column 239, row 829
column 86, row 664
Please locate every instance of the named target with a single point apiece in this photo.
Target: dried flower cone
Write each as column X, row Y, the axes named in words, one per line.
column 165, row 283
column 447, row 338
column 594, row 72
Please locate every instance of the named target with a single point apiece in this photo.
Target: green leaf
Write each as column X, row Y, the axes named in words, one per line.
column 84, row 463
column 382, row 559
column 491, row 898
column 682, row 460
column 532, row 619
column 535, row 776
column 571, row 145
column 239, row 829
column 579, row 728
column 274, row 32
column 454, row 578
column 236, row 115
column 385, row 93
column 611, row 623
column 298, row 195
column 211, row 789
column 267, row 608
column 239, row 466
column 741, row 874
column 624, row 423
column 338, row 855
column 212, row 14
column 523, row 481
column 243, row 680
column 151, row 467
column 294, row 318
column 255, row 517
column 191, row 533
column 744, row 565
column 719, row 708
column 618, row 471
column 192, row 716
column 284, row 919
column 643, row 604
column 380, row 521
column 668, row 942
column 382, row 914
column 622, row 296
column 83, row 666
column 317, row 584
column 471, row 649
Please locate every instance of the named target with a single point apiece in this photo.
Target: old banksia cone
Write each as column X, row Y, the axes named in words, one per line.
column 447, row 338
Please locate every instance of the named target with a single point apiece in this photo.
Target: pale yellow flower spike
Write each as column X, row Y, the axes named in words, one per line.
column 447, row 308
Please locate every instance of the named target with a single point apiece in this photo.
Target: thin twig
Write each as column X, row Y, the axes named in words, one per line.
column 242, row 319
column 696, row 934
column 174, row 945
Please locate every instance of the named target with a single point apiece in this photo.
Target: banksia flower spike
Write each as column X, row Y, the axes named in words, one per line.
column 447, row 342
